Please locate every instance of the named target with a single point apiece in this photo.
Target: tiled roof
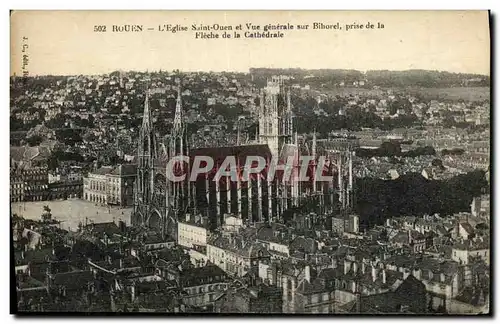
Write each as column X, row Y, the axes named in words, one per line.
column 218, row 154
column 197, row 276
column 302, row 244
column 34, row 256
column 305, row 287
column 468, row 228
column 124, row 170
column 74, row 280
column 471, row 245
column 161, row 264
column 415, row 235
column 23, row 153
column 103, row 170
column 44, row 152
column 240, row 246
column 156, row 238
column 276, row 234
column 152, row 286
column 108, row 228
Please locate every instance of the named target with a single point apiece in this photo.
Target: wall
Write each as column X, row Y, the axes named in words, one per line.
column 190, row 234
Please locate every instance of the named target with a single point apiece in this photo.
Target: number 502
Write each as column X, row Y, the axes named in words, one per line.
column 100, row 28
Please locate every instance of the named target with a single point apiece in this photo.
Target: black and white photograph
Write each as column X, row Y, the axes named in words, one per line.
column 250, row 162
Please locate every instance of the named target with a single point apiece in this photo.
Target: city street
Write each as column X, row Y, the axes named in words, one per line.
column 71, row 212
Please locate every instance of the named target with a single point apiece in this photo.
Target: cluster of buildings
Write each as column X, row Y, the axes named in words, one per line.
column 108, row 106
column 389, row 105
column 247, row 246
column 474, row 152
column 110, row 185
column 32, row 180
column 429, row 265
column 38, row 184
column 107, row 111
column 460, row 112
column 159, row 202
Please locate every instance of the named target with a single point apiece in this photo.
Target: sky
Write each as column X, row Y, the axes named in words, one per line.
column 64, row 42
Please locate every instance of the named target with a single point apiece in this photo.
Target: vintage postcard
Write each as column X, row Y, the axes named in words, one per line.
column 250, row 162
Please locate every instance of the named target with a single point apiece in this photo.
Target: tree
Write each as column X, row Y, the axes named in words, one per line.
column 412, row 194
column 437, row 163
column 58, row 156
column 91, row 120
column 69, row 136
column 390, row 149
column 34, row 140
column 57, row 122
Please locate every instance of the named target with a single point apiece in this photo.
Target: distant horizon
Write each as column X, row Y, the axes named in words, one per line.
column 248, row 71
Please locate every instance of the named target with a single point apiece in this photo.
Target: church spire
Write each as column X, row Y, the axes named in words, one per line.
column 146, row 119
column 146, row 154
column 179, row 146
column 288, row 101
column 178, row 110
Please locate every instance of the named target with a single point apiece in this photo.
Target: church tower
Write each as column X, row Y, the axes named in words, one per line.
column 178, row 146
column 275, row 116
column 146, row 155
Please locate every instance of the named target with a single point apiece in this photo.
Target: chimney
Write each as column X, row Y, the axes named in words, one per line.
column 307, row 273
column 188, row 218
column 374, row 273
column 409, row 236
column 384, row 276
column 347, row 266
column 132, row 291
